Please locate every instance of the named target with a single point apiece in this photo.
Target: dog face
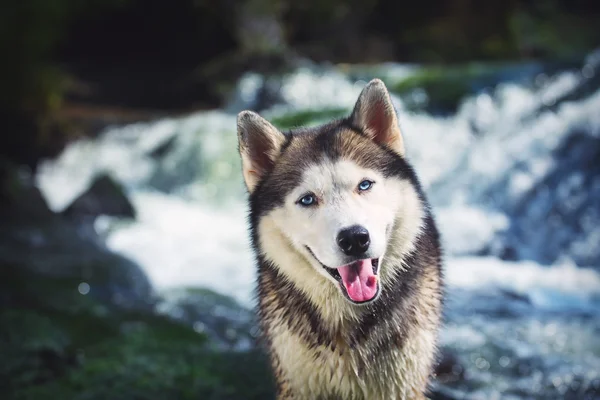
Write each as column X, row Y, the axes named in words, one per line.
column 335, row 196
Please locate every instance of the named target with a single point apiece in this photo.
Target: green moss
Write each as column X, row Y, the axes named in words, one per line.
column 307, row 117
column 443, row 91
column 446, row 86
column 58, row 343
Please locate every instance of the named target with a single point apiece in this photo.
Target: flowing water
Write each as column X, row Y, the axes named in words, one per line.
column 513, row 176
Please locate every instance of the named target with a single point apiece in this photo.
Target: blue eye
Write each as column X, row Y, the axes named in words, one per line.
column 365, row 185
column 307, row 200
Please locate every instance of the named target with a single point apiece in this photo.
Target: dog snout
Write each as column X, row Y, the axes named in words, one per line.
column 354, row 241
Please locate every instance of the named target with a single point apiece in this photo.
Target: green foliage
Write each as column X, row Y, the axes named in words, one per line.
column 548, row 30
column 29, row 33
column 32, row 84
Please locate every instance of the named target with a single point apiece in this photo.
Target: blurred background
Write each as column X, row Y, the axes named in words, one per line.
column 125, row 268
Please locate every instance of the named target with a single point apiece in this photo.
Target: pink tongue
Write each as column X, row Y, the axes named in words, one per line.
column 359, row 280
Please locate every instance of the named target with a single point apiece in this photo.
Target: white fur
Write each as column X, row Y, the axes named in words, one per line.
column 390, row 208
column 340, row 205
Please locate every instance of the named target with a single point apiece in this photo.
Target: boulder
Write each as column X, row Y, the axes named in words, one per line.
column 103, row 197
column 228, row 324
column 448, row 368
column 19, row 197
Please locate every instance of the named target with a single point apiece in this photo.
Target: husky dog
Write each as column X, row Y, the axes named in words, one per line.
column 349, row 257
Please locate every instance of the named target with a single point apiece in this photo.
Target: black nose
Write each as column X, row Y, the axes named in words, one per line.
column 354, row 240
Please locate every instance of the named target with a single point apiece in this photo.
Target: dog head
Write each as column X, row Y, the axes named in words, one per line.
column 332, row 206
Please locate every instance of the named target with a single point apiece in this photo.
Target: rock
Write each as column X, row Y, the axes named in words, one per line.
column 440, row 89
column 228, row 324
column 448, row 372
column 103, row 197
column 34, row 239
column 449, row 368
column 566, row 202
column 516, row 297
column 56, row 249
column 19, row 197
column 164, row 148
column 440, row 394
column 56, row 342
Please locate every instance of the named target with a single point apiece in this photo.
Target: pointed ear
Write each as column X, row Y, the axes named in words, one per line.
column 259, row 146
column 374, row 114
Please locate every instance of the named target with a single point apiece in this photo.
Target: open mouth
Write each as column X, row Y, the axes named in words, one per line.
column 358, row 280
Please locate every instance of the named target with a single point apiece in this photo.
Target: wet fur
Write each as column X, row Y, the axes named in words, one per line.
column 321, row 346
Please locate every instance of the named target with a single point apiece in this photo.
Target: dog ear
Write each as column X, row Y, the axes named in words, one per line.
column 374, row 114
column 259, row 146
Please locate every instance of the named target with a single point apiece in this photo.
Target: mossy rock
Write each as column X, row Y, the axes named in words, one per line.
column 443, row 92
column 54, row 247
column 446, row 86
column 227, row 323
column 59, row 343
column 307, row 117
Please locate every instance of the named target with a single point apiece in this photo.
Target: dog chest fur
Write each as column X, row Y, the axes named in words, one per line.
column 346, row 372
